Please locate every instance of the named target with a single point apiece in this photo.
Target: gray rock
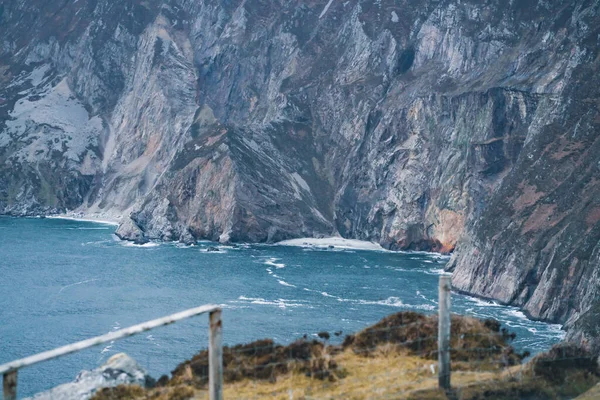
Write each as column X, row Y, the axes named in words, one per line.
column 439, row 125
column 120, row 369
column 128, row 230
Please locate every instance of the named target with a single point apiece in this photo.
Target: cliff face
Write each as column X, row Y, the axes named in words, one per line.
column 421, row 125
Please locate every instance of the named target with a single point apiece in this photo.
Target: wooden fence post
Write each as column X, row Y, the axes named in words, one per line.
column 9, row 385
column 444, row 332
column 215, row 356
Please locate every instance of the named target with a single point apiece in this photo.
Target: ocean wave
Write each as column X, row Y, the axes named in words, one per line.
column 107, row 348
column 436, row 271
column 271, row 261
column 391, row 302
column 281, row 303
column 483, row 303
column 284, row 283
column 184, row 246
column 96, row 242
column 421, row 295
column 145, row 245
column 78, row 283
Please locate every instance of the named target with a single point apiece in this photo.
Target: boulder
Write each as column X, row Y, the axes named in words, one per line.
column 118, row 370
column 129, row 230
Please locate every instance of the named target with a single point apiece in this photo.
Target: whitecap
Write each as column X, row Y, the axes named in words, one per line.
column 145, row 245
column 184, row 246
column 421, row 295
column 284, row 283
column 483, row 303
column 328, row 295
column 391, row 301
column 106, row 349
column 437, row 271
column 281, row 303
column 271, row 261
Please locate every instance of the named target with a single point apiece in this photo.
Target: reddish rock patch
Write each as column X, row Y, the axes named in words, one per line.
column 593, row 217
column 529, row 197
column 541, row 217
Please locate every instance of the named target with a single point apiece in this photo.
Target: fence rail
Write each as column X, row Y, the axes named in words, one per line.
column 10, row 370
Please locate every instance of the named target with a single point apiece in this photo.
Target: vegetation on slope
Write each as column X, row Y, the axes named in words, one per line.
column 394, row 358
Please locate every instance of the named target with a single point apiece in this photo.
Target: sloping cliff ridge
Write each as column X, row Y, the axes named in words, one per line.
column 420, row 125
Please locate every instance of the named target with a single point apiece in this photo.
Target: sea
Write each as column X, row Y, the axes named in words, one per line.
column 63, row 281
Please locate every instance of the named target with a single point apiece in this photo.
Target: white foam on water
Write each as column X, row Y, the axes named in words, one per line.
column 391, row 301
column 152, row 340
column 233, row 307
column 281, row 303
column 328, row 295
column 437, row 271
column 96, row 242
column 483, row 303
column 398, row 269
column 516, row 314
column 271, row 261
column 184, row 246
column 83, row 219
column 145, row 245
column 106, row 349
column 284, row 283
column 77, row 283
column 421, row 295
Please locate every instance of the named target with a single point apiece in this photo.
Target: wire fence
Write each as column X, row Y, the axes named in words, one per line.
column 406, row 355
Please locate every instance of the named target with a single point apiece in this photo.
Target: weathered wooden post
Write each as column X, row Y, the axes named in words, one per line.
column 215, row 356
column 444, row 332
column 9, row 385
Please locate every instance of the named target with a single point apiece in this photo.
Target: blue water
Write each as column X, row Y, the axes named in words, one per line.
column 63, row 281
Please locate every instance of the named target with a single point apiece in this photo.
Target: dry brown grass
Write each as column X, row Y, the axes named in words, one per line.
column 394, row 359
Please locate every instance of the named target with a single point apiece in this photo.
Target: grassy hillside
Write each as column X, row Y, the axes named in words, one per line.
column 393, row 359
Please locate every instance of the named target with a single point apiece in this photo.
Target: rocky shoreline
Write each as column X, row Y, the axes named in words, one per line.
column 447, row 126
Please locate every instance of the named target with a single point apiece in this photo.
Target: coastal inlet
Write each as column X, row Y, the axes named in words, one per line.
column 64, row 281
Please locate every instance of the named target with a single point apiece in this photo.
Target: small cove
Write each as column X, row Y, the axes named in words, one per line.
column 62, row 281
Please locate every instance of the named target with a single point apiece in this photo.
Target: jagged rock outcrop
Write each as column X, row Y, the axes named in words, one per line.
column 120, row 369
column 420, row 125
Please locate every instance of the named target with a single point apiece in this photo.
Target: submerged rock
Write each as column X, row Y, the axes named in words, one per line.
column 119, row 369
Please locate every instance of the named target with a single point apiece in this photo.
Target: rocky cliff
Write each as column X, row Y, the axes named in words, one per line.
column 421, row 125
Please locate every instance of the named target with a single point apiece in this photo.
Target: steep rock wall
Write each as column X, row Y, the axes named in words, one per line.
column 420, row 125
